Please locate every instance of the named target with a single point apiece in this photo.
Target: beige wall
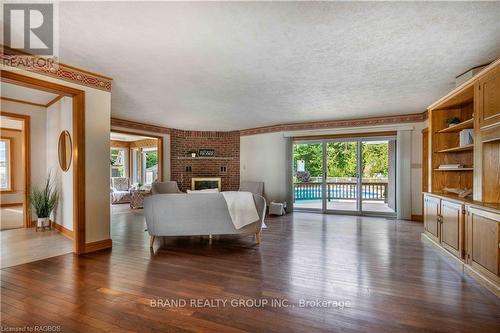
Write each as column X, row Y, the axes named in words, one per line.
column 17, row 167
column 97, row 129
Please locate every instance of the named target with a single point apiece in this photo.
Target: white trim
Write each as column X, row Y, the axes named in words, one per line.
column 403, row 175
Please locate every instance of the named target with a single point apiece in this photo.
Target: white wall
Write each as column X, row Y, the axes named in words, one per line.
column 166, row 147
column 59, row 118
column 97, row 129
column 263, row 157
column 38, row 143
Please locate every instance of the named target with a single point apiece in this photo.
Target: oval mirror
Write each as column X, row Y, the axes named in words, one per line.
column 65, row 149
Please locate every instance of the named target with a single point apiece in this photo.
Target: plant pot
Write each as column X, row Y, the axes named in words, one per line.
column 43, row 222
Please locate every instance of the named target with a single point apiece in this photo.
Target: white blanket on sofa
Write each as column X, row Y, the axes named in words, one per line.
column 241, row 208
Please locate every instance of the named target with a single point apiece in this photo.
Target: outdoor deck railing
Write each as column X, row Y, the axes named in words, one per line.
column 339, row 190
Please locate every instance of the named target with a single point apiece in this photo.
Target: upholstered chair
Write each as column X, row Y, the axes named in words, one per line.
column 120, row 190
column 165, row 187
column 252, row 187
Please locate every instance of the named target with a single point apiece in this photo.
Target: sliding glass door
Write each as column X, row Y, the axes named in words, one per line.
column 342, row 176
column 308, row 182
column 378, row 175
column 352, row 176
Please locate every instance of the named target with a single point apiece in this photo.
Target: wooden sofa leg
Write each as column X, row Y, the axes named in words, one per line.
column 151, row 241
column 257, row 237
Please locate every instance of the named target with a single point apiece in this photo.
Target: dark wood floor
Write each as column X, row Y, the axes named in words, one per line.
column 393, row 282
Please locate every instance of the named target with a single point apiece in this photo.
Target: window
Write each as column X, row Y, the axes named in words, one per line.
column 5, row 167
column 117, row 168
column 150, row 160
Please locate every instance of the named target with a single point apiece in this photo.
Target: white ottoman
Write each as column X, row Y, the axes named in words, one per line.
column 276, row 208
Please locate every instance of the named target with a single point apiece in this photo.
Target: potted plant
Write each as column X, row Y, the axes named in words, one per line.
column 43, row 202
column 452, row 121
column 303, row 176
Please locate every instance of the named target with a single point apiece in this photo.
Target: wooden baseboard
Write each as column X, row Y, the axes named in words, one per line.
column 418, row 218
column 12, row 204
column 461, row 266
column 99, row 245
column 64, row 231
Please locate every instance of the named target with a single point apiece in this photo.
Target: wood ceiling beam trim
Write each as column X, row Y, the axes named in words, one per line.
column 22, row 101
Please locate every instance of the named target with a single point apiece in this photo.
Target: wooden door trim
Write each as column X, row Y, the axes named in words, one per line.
column 26, row 160
column 159, row 145
column 78, row 97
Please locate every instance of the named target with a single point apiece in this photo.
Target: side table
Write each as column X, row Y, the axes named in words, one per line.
column 137, row 198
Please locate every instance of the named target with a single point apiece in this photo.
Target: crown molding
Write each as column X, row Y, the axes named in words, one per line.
column 51, row 67
column 308, row 126
column 318, row 125
column 139, row 126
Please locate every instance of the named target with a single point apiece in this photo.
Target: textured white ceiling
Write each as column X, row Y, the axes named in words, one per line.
column 240, row 65
column 26, row 94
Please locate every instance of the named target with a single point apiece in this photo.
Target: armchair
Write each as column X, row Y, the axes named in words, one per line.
column 165, row 187
column 120, row 190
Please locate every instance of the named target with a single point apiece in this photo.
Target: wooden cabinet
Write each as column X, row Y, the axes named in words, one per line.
column 489, row 98
column 483, row 242
column 452, row 227
column 432, row 207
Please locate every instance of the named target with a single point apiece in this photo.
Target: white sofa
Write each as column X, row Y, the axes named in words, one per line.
column 196, row 214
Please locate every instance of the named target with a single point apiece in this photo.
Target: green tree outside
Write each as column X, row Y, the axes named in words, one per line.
column 342, row 159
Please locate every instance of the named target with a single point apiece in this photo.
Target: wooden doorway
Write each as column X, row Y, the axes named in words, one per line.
column 25, row 163
column 78, row 122
column 159, row 141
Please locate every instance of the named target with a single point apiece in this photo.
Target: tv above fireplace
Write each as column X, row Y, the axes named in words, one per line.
column 203, row 183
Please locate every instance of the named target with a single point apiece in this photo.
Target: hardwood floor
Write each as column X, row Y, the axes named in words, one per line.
column 392, row 281
column 11, row 217
column 23, row 245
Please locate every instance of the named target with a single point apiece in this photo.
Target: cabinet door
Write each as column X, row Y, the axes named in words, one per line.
column 452, row 227
column 431, row 216
column 489, row 98
column 483, row 251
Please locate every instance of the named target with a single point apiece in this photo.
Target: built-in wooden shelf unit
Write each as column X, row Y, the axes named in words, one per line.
column 467, row 228
column 476, row 103
column 469, row 123
column 456, row 149
column 455, row 169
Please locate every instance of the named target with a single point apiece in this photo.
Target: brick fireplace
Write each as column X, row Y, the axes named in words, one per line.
column 225, row 164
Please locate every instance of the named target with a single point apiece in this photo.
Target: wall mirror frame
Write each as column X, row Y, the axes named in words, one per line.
column 65, row 150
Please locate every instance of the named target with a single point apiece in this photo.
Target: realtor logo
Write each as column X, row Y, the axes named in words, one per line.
column 29, row 27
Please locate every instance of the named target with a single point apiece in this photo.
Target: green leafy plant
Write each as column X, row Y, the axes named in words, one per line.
column 44, row 200
column 452, row 121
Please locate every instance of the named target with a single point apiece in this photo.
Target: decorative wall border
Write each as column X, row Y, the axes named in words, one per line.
column 50, row 67
column 410, row 118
